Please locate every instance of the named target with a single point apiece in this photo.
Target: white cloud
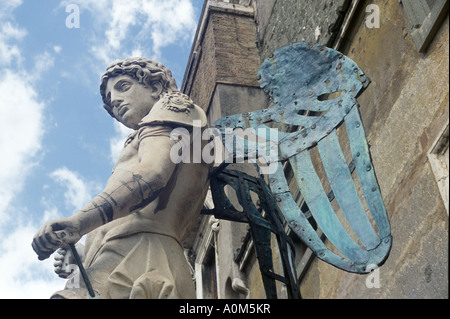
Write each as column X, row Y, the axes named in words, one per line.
column 123, row 15
column 116, row 142
column 8, row 5
column 170, row 21
column 160, row 23
column 21, row 134
column 57, row 48
column 78, row 191
column 22, row 110
column 21, row 274
column 50, row 213
column 22, row 129
column 43, row 62
column 10, row 52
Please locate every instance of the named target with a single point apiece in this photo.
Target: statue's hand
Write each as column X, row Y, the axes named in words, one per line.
column 62, row 263
column 65, row 262
column 55, row 234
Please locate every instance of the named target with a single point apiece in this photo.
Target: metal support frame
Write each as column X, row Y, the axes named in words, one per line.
column 263, row 221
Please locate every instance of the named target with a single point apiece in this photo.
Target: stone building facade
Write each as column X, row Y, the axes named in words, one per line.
column 403, row 47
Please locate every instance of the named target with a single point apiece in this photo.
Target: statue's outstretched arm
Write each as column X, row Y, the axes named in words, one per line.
column 125, row 191
column 128, row 190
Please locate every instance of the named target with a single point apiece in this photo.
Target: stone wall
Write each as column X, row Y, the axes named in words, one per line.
column 403, row 110
column 300, row 21
column 226, row 53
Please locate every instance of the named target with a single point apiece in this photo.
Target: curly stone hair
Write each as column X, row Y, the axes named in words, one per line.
column 144, row 71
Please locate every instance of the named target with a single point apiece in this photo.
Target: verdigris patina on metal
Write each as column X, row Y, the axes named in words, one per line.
column 314, row 91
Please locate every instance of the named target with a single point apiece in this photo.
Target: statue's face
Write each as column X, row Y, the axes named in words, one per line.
column 131, row 100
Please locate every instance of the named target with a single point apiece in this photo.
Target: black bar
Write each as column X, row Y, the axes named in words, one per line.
column 82, row 270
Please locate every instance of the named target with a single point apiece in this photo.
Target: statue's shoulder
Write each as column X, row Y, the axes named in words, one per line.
column 175, row 108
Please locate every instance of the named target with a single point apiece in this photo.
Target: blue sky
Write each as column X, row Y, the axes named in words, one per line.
column 57, row 144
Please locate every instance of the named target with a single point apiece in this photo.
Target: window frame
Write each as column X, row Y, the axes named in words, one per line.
column 424, row 20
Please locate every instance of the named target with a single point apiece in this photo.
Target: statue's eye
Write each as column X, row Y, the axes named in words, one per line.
column 124, row 86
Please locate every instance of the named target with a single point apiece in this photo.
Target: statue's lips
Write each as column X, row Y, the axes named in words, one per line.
column 122, row 110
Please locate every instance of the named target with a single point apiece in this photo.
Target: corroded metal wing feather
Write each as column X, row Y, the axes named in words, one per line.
column 316, row 118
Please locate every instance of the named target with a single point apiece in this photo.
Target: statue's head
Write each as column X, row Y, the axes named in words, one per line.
column 131, row 87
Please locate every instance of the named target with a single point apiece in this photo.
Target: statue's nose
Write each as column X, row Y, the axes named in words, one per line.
column 115, row 103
